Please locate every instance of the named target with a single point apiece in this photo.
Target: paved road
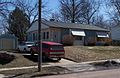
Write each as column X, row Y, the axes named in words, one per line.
column 114, row 73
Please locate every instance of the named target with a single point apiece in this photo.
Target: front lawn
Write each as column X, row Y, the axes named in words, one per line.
column 92, row 53
column 75, row 53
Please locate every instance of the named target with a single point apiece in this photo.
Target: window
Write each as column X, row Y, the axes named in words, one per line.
column 43, row 35
column 33, row 36
column 47, row 35
column 45, row 46
column 36, row 36
column 55, row 47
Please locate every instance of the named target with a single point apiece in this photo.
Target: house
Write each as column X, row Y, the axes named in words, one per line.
column 8, row 42
column 115, row 35
column 58, row 31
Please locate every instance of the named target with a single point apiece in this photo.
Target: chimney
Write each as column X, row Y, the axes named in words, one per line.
column 52, row 19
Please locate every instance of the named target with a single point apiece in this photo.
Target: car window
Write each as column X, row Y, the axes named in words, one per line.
column 45, row 46
column 29, row 43
column 22, row 44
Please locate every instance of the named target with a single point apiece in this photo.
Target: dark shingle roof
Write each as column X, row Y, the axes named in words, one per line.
column 67, row 25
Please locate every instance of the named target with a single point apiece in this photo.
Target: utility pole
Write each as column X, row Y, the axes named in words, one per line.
column 39, row 37
column 73, row 10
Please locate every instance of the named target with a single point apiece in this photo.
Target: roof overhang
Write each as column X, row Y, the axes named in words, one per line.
column 78, row 33
column 103, row 34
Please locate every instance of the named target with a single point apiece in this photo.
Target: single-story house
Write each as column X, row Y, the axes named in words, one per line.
column 8, row 41
column 58, row 31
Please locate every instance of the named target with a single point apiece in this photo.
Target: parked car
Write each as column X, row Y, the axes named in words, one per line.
column 25, row 46
column 50, row 50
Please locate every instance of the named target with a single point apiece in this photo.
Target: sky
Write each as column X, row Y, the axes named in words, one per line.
column 53, row 4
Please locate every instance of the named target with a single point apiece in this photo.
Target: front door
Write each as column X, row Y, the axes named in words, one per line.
column 79, row 40
column 56, row 36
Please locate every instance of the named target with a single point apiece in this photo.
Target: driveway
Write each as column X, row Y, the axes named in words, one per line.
column 2, row 76
column 61, row 62
column 50, row 62
column 114, row 73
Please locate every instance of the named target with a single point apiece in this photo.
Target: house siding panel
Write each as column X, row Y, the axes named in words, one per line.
column 115, row 33
column 90, row 37
column 56, row 34
column 64, row 33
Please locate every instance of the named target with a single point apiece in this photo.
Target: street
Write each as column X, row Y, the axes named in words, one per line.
column 113, row 73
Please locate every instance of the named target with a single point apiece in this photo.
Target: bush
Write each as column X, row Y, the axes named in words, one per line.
column 6, row 58
column 68, row 40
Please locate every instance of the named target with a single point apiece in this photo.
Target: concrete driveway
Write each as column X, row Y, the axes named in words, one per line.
column 2, row 76
column 61, row 62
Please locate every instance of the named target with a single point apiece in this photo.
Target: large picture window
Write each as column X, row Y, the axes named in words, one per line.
column 45, row 35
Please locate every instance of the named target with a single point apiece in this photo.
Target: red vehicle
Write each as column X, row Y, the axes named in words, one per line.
column 51, row 50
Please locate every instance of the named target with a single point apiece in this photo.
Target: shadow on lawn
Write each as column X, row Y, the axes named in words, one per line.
column 6, row 58
column 35, row 59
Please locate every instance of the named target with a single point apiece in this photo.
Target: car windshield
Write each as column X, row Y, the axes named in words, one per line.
column 57, row 47
column 30, row 43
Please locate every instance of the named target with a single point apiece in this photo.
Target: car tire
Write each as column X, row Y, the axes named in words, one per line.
column 44, row 57
column 58, row 59
column 24, row 50
column 18, row 50
column 32, row 53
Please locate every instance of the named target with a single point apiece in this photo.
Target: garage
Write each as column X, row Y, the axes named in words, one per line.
column 79, row 37
column 8, row 41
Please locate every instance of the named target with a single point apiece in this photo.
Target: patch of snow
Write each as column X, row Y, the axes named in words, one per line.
column 90, row 47
column 2, row 76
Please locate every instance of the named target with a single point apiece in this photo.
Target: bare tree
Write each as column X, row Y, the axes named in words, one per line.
column 56, row 16
column 70, row 10
column 98, row 20
column 89, row 9
column 3, row 8
column 30, row 7
column 4, row 12
column 114, row 11
column 79, row 10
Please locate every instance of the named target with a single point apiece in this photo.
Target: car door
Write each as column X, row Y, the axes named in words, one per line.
column 21, row 46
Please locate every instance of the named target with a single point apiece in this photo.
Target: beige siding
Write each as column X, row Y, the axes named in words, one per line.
column 55, row 34
column 7, row 43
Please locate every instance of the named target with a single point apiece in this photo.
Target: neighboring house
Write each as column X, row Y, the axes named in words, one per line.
column 56, row 31
column 8, row 41
column 115, row 34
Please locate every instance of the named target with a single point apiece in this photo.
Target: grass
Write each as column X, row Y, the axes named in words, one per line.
column 87, row 53
column 75, row 53
column 19, row 61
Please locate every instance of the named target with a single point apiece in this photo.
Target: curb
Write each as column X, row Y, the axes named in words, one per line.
column 28, row 67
